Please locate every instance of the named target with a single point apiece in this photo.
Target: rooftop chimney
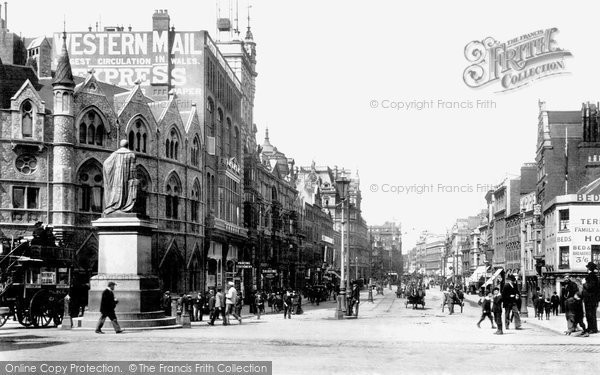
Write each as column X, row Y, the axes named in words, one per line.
column 160, row 20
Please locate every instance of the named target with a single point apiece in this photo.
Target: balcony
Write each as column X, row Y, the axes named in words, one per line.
column 230, row 227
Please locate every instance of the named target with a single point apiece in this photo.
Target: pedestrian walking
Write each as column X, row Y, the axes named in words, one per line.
column 510, row 296
column 497, row 310
column 591, row 294
column 231, row 300
column 219, row 308
column 299, row 305
column 486, row 310
column 212, row 312
column 287, row 305
column 107, row 308
column 197, row 305
column 259, row 303
column 165, row 303
column 555, row 301
column 540, row 304
column 574, row 314
column 547, row 307
column 354, row 299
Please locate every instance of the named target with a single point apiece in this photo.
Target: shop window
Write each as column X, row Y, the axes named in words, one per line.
column 596, row 254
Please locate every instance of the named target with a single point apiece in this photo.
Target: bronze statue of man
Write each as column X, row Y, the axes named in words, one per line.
column 120, row 189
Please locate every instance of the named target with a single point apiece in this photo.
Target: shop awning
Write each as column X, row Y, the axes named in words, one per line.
column 479, row 271
column 491, row 279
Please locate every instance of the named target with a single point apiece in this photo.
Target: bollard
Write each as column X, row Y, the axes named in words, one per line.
column 176, row 312
column 185, row 318
column 370, row 294
column 67, row 322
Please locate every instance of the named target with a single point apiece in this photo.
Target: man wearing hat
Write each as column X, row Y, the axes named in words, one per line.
column 107, row 308
column 510, row 296
column 230, row 301
column 591, row 293
column 569, row 287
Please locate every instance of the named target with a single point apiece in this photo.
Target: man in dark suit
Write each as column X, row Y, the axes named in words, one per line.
column 107, row 308
column 591, row 293
column 569, row 288
column 497, row 310
column 510, row 296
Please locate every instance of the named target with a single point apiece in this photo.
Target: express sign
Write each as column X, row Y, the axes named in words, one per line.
column 122, row 58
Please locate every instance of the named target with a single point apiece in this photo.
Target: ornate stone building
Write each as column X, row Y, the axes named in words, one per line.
column 272, row 216
column 55, row 133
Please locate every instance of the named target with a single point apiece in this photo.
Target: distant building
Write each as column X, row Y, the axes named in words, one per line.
column 387, row 249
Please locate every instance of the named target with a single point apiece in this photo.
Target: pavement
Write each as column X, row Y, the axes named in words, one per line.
column 388, row 337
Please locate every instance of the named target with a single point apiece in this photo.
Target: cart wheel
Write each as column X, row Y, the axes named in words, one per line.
column 23, row 316
column 40, row 309
column 3, row 320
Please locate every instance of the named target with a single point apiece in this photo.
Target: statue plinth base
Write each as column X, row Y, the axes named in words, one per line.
column 124, row 257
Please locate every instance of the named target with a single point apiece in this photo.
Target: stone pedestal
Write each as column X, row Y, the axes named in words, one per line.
column 124, row 256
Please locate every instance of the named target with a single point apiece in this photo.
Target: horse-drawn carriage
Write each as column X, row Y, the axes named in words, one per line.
column 34, row 280
column 415, row 297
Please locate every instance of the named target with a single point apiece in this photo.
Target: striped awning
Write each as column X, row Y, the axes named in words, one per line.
column 494, row 276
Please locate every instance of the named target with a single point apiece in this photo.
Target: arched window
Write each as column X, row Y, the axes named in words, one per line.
column 27, row 119
column 220, row 130
column 144, row 187
column 210, row 108
column 195, row 202
column 228, row 138
column 65, row 102
column 90, row 192
column 195, row 152
column 138, row 136
column 173, row 191
column 172, row 145
column 237, row 145
column 91, row 129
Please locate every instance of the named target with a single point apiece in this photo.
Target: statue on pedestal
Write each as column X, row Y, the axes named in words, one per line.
column 120, row 179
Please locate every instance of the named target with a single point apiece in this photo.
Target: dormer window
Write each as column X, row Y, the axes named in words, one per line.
column 27, row 119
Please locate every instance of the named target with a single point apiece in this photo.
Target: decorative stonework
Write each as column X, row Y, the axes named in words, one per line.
column 26, row 164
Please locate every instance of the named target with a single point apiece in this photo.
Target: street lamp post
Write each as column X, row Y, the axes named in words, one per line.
column 342, row 185
column 523, row 312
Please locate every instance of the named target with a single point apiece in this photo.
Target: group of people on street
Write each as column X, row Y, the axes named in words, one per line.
column 216, row 304
column 577, row 304
column 496, row 301
column 577, row 301
column 544, row 305
column 453, row 295
column 222, row 306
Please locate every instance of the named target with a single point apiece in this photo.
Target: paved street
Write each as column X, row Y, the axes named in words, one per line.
column 387, row 338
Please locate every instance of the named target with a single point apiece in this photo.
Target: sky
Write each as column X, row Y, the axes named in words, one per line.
column 324, row 65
